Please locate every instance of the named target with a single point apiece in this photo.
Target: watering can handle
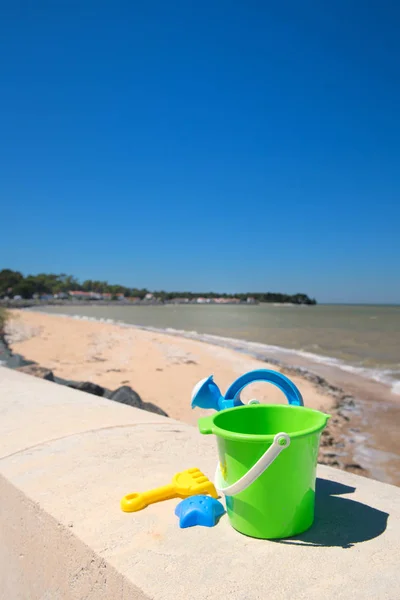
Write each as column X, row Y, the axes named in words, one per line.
column 290, row 390
column 281, row 442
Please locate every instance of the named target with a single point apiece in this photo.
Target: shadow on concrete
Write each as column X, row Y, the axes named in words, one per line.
column 340, row 521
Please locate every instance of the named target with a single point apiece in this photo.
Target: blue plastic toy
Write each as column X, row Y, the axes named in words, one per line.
column 206, row 394
column 199, row 510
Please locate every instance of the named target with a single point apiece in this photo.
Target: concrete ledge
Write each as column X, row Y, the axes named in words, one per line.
column 68, row 458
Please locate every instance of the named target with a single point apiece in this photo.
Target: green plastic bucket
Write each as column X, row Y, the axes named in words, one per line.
column 267, row 466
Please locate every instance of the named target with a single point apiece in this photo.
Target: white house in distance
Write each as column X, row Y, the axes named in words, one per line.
column 79, row 295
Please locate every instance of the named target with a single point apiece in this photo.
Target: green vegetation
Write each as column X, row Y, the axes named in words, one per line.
column 258, row 296
column 13, row 283
column 3, row 319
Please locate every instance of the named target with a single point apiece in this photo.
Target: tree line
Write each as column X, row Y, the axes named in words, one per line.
column 13, row 283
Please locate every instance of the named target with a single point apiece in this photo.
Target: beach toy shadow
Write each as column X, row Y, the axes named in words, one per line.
column 340, row 522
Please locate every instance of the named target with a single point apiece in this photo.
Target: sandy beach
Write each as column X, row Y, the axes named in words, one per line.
column 162, row 369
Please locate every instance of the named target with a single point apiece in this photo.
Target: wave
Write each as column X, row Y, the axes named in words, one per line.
column 262, row 351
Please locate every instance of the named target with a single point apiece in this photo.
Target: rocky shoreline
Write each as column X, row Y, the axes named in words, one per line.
column 337, row 440
column 124, row 394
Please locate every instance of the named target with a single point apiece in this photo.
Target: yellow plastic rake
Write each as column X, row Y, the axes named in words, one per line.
column 191, row 482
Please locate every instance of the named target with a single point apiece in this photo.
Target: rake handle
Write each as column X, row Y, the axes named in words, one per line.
column 135, row 501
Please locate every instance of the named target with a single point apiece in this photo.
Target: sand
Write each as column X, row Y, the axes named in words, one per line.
column 161, row 368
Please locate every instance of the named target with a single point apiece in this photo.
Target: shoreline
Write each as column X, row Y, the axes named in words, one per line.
column 29, row 333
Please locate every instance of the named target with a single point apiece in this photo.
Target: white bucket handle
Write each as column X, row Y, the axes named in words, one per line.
column 281, row 442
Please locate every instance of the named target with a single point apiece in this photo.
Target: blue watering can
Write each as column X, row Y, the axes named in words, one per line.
column 206, row 394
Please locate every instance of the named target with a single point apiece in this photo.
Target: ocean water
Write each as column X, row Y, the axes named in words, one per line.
column 359, row 340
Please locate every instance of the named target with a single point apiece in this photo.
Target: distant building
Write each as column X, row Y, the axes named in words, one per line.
column 79, row 295
column 149, row 296
column 226, row 300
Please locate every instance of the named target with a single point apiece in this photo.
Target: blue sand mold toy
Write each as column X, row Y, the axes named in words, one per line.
column 206, row 393
column 199, row 510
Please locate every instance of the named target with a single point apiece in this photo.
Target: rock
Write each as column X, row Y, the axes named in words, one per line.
column 88, row 387
column 126, row 395
column 354, row 468
column 344, row 415
column 331, row 462
column 37, row 371
column 10, row 360
column 349, row 401
column 327, row 440
column 329, row 454
column 150, row 407
column 5, row 353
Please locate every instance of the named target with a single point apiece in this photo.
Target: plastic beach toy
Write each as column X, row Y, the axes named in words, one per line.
column 199, row 510
column 267, row 466
column 184, row 484
column 206, row 394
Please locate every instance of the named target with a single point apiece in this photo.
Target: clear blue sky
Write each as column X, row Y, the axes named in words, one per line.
column 215, row 145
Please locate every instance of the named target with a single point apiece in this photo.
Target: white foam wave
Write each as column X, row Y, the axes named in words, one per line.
column 396, row 388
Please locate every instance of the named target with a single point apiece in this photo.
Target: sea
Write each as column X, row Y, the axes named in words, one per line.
column 356, row 348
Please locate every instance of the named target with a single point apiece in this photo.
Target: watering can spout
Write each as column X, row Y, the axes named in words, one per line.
column 206, row 394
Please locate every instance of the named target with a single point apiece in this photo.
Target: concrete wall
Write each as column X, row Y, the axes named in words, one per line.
column 67, row 458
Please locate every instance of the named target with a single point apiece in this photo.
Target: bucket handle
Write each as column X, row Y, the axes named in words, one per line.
column 281, row 442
